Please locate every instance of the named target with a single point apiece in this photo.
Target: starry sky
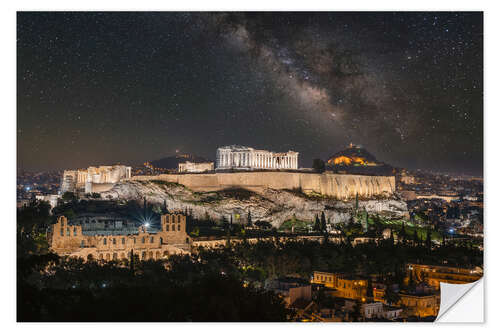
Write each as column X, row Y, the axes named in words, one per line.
column 99, row 88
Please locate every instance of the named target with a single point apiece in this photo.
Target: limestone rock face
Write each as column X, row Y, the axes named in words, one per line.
column 271, row 205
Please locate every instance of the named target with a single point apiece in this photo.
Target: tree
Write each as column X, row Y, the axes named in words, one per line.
column 32, row 223
column 356, row 314
column 228, row 237
column 411, row 280
column 402, row 233
column 428, row 242
column 369, row 288
column 224, row 221
column 249, row 220
column 195, row 232
column 356, row 205
column 416, row 239
column 323, row 222
column 391, row 297
column 132, row 261
column 318, row 165
column 391, row 238
column 68, row 196
column 317, row 224
column 365, row 222
column 263, row 224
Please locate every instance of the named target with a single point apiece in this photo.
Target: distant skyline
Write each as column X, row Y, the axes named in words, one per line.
column 100, row 88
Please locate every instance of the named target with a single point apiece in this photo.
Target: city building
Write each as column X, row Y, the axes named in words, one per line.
column 433, row 275
column 246, row 158
column 291, row 289
column 113, row 238
column 194, row 167
column 20, row 203
column 50, row 198
column 379, row 293
column 379, row 310
column 344, row 285
column 419, row 304
column 93, row 179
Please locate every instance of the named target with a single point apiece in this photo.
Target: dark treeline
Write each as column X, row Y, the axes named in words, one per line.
column 54, row 289
column 222, row 284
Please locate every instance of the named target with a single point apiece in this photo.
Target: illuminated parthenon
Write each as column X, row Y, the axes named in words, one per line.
column 240, row 157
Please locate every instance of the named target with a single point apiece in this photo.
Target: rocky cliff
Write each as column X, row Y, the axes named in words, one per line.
column 274, row 206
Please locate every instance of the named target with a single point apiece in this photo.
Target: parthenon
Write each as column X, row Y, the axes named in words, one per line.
column 241, row 157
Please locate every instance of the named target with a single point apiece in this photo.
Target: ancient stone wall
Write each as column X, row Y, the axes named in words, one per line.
column 66, row 239
column 338, row 186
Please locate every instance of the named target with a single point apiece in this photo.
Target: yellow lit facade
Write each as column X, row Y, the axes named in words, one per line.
column 346, row 287
column 433, row 275
column 420, row 305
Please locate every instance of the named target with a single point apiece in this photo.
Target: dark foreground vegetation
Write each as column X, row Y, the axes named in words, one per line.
column 224, row 284
column 52, row 289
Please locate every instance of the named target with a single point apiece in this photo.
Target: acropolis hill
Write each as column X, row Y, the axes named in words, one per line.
column 269, row 185
column 337, row 186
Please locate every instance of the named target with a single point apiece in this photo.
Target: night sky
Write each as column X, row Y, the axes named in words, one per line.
column 101, row 88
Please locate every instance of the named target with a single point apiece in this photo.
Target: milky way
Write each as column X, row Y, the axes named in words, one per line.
column 97, row 88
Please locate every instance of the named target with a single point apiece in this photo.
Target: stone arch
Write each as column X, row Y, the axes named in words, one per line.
column 151, row 255
column 122, row 255
column 108, row 256
column 101, row 257
column 143, row 255
column 115, row 256
column 157, row 255
column 165, row 253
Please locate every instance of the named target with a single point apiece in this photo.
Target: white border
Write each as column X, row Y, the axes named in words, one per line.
column 8, row 133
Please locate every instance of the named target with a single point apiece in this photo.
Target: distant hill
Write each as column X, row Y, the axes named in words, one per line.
column 172, row 162
column 357, row 160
